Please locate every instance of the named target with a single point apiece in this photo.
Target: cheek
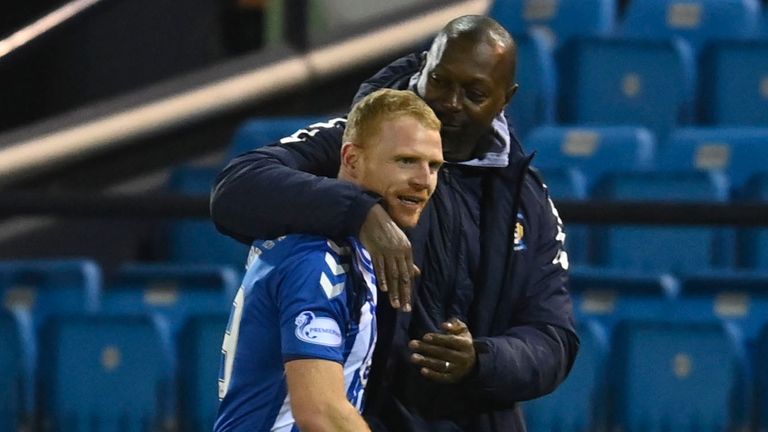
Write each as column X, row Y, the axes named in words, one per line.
column 483, row 116
column 378, row 181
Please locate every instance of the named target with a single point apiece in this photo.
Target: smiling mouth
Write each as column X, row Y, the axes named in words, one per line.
column 411, row 201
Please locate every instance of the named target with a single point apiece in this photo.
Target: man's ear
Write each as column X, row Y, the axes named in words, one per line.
column 510, row 93
column 350, row 159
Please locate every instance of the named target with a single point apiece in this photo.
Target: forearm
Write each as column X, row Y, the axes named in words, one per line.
column 260, row 195
column 338, row 416
column 318, row 398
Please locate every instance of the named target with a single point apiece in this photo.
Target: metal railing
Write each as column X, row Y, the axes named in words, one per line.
column 25, row 156
column 174, row 205
column 44, row 25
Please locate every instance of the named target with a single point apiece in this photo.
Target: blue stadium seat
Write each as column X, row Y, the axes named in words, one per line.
column 565, row 183
column 174, row 291
column 534, row 102
column 199, row 359
column 198, row 242
column 762, row 381
column 764, row 32
column 670, row 249
column 570, row 184
column 264, row 131
column 753, row 242
column 16, row 360
column 611, row 295
column 677, row 376
column 594, row 150
column 562, row 20
column 737, row 297
column 738, row 152
column 627, row 82
column 105, row 373
column 45, row 287
column 578, row 405
column 734, row 83
column 698, row 22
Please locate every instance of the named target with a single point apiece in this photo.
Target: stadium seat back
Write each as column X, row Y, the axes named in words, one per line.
column 13, row 383
column 200, row 357
column 104, row 373
column 198, row 242
column 534, row 101
column 45, row 287
column 737, row 297
column 738, row 152
column 609, row 296
column 593, row 150
column 675, row 376
column 576, row 404
column 670, row 249
column 562, row 20
column 173, row 291
column 627, row 82
column 753, row 242
column 734, row 83
column 570, row 184
column 762, row 380
column 698, row 22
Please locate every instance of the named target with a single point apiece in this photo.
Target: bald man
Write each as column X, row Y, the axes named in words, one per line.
column 489, row 322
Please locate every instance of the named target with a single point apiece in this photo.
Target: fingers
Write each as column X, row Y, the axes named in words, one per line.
column 415, row 271
column 404, row 282
column 392, row 276
column 391, row 254
column 381, row 269
column 455, row 326
column 438, row 369
column 447, row 347
column 395, row 279
column 437, row 376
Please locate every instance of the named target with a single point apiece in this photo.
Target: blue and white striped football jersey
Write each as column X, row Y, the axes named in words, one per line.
column 302, row 297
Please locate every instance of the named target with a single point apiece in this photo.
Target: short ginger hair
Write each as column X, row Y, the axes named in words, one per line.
column 365, row 119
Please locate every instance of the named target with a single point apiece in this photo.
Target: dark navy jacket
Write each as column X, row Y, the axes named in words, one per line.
column 508, row 282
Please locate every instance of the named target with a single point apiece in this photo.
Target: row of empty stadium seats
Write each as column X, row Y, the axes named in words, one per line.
column 616, row 163
column 653, row 376
column 658, row 84
column 696, row 21
column 137, row 352
column 737, row 152
column 664, row 248
column 659, row 352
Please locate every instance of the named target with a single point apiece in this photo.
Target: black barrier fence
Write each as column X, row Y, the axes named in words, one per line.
column 172, row 206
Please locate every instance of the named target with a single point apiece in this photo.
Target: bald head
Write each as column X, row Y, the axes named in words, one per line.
column 467, row 78
column 480, row 29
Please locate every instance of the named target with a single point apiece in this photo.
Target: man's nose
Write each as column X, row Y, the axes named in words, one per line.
column 452, row 100
column 421, row 176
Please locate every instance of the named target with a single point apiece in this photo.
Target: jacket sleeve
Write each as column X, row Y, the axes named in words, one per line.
column 395, row 75
column 534, row 356
column 290, row 188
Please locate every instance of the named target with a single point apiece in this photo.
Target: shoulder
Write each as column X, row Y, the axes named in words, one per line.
column 295, row 249
column 299, row 260
column 395, row 75
column 329, row 128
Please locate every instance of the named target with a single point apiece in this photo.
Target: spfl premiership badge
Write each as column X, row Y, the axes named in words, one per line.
column 519, row 242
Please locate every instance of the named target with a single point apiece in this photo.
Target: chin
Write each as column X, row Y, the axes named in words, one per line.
column 407, row 221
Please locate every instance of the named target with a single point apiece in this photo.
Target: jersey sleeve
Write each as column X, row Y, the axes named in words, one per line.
column 312, row 310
